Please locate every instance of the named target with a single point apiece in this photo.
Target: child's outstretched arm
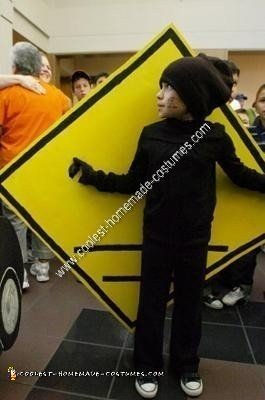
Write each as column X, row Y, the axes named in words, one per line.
column 240, row 174
column 111, row 182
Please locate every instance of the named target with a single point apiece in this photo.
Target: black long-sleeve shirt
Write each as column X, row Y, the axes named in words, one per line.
column 179, row 208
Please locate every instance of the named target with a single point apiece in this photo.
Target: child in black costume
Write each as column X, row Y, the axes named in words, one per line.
column 178, row 212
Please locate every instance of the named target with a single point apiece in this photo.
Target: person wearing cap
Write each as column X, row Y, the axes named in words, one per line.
column 178, row 212
column 80, row 84
column 241, row 98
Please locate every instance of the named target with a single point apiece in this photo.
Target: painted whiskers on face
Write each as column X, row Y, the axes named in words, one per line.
column 170, row 105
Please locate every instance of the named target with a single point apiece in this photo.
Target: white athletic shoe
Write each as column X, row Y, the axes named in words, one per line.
column 191, row 384
column 147, row 386
column 235, row 295
column 40, row 270
column 213, row 302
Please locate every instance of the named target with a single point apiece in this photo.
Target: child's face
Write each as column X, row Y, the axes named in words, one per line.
column 234, row 87
column 170, row 105
column 45, row 72
column 260, row 104
column 80, row 88
column 101, row 79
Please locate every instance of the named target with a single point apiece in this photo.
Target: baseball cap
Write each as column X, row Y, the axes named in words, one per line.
column 241, row 96
column 80, row 74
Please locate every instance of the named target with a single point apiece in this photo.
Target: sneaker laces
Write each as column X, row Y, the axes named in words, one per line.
column 147, row 379
column 192, row 380
column 211, row 298
column 191, row 376
column 236, row 291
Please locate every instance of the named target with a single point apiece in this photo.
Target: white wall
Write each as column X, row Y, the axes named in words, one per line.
column 6, row 24
column 116, row 26
column 32, row 20
column 80, row 26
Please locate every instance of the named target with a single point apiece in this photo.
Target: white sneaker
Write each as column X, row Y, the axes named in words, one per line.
column 147, row 386
column 25, row 280
column 191, row 384
column 238, row 293
column 213, row 302
column 40, row 270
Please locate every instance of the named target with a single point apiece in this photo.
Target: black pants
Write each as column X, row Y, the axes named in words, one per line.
column 240, row 272
column 188, row 266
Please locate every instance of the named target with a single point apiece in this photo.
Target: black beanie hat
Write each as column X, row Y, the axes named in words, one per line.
column 202, row 82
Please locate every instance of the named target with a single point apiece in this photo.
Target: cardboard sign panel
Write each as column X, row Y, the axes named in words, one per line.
column 98, row 236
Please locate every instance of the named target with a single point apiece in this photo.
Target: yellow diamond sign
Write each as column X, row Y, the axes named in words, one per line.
column 103, row 130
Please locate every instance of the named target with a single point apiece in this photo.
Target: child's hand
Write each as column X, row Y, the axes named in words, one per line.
column 74, row 167
column 87, row 172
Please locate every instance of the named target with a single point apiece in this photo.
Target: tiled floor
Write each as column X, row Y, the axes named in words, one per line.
column 64, row 329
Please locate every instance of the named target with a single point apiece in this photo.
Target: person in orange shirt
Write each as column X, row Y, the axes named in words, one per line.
column 27, row 81
column 24, row 116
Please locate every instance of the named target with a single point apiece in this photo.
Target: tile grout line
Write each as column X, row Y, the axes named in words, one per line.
column 246, row 337
column 109, row 346
column 261, row 328
column 117, row 365
column 234, row 325
column 221, row 324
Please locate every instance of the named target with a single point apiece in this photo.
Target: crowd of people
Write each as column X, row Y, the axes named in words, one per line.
column 178, row 211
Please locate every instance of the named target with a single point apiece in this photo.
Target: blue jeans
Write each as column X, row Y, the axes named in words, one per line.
column 39, row 250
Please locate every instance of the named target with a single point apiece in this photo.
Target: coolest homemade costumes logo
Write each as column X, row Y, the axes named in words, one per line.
column 12, row 373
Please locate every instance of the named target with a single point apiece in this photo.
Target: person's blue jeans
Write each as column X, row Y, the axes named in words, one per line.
column 39, row 250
